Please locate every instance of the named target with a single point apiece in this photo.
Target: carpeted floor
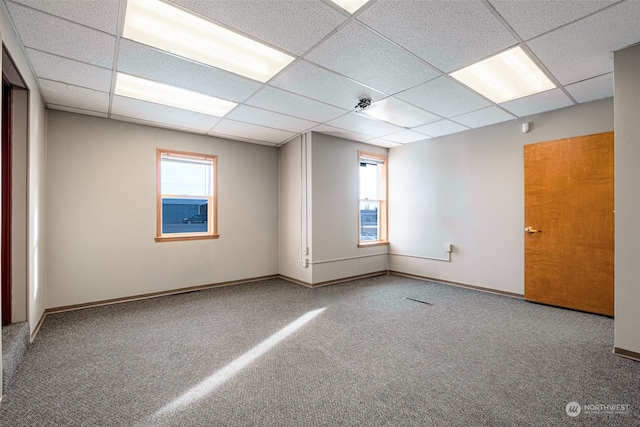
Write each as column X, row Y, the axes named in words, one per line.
column 273, row 353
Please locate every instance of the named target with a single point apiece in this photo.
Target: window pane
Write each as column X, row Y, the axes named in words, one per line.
column 184, row 215
column 369, row 181
column 186, row 177
column 369, row 229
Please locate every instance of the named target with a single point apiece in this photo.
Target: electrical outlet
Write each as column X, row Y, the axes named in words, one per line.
column 448, row 247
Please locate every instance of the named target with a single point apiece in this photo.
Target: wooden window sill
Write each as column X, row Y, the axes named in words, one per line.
column 184, row 238
column 369, row 245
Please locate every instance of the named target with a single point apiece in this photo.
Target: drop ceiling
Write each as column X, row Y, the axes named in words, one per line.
column 401, row 50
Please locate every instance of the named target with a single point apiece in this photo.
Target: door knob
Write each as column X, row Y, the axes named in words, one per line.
column 531, row 230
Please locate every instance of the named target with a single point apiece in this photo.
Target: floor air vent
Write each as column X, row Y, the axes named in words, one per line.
column 417, row 300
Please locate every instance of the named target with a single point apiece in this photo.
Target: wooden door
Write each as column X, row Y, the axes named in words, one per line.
column 569, row 248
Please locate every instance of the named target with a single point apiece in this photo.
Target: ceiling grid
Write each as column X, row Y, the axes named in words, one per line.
column 398, row 51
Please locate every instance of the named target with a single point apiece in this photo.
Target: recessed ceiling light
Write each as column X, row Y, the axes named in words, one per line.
column 158, row 93
column 505, row 77
column 398, row 112
column 166, row 27
column 350, row 6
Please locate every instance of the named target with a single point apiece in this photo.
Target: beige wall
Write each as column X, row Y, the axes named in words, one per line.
column 468, row 189
column 34, row 258
column 294, row 197
column 101, row 187
column 627, row 199
column 19, row 207
column 319, row 211
column 335, row 252
column 28, row 253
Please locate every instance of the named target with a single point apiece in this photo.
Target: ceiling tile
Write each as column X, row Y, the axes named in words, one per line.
column 582, row 50
column 397, row 112
column 143, row 61
column 444, row 97
column 314, row 82
column 52, row 67
column 384, row 143
column 484, row 117
column 364, row 125
column 57, row 36
column 294, row 26
column 164, row 125
column 159, row 114
column 592, row 89
column 341, row 133
column 77, row 110
column 443, row 33
column 101, row 15
column 258, row 116
column 370, row 59
column 538, row 103
column 74, row 96
column 278, row 100
column 253, row 132
column 534, row 17
column 405, row 137
column 441, row 128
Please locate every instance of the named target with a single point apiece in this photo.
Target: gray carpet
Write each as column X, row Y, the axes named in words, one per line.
column 15, row 340
column 370, row 358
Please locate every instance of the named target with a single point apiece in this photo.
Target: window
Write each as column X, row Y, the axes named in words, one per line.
column 186, row 196
column 372, row 210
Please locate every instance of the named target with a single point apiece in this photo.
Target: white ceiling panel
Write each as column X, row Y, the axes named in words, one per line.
column 143, row 61
column 444, row 97
column 78, row 111
column 534, row 17
column 249, row 131
column 484, row 117
column 395, row 111
column 362, row 124
column 52, row 67
column 309, row 80
column 384, row 143
column 73, row 96
column 294, row 26
column 392, row 51
column 364, row 56
column 274, row 99
column 583, row 49
column 156, row 124
column 148, row 111
column 341, row 133
column 405, row 137
column 534, row 104
column 589, row 90
column 103, row 14
column 54, row 35
column 258, row 116
column 447, row 34
column 441, row 128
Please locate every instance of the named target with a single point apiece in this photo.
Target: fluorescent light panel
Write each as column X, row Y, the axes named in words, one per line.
column 350, row 6
column 397, row 112
column 166, row 27
column 159, row 93
column 504, row 77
